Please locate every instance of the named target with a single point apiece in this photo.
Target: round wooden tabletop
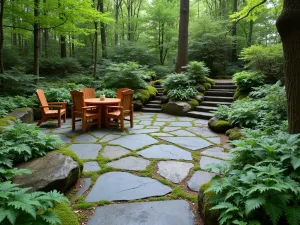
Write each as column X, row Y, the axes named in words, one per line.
column 97, row 101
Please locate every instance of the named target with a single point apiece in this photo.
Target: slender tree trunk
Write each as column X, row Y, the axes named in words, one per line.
column 102, row 32
column 63, row 46
column 95, row 50
column 250, row 33
column 182, row 55
column 117, row 20
column 73, row 46
column 1, row 36
column 289, row 29
column 233, row 33
column 36, row 42
column 128, row 21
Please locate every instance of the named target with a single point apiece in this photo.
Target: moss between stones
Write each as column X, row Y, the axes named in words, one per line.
column 157, row 82
column 219, row 125
column 165, row 92
column 204, row 206
column 207, row 86
column 234, row 134
column 146, row 94
column 65, row 214
column 238, row 95
column 6, row 122
column 163, row 106
column 209, row 80
column 227, row 133
column 193, row 103
column 68, row 152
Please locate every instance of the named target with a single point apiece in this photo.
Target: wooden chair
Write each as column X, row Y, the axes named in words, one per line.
column 51, row 109
column 88, row 92
column 79, row 110
column 119, row 113
column 119, row 92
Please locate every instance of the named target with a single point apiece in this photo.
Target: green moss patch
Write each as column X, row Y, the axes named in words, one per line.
column 211, row 81
column 219, row 125
column 207, row 86
column 193, row 103
column 6, row 121
column 68, row 152
column 66, row 215
column 146, row 94
column 238, row 95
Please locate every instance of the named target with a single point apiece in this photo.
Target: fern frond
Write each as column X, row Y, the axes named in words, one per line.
column 273, row 210
column 254, row 203
column 292, row 215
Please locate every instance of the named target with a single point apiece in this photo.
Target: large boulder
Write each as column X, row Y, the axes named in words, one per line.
column 23, row 114
column 199, row 97
column 219, row 125
column 52, row 171
column 200, row 88
column 177, row 108
column 137, row 105
column 164, row 99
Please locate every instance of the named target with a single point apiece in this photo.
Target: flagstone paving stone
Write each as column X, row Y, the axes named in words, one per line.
column 162, row 134
column 109, row 137
column 203, row 131
column 65, row 139
column 183, row 133
column 85, row 138
column 91, row 166
column 135, row 141
column 146, row 122
column 85, row 185
column 118, row 186
column 86, row 151
column 216, row 152
column 165, row 152
column 168, row 129
column 206, row 162
column 185, row 119
column 160, row 123
column 174, row 171
column 199, row 178
column 130, row 163
column 113, row 152
column 180, row 124
column 216, row 140
column 173, row 212
column 100, row 133
column 144, row 131
column 192, row 143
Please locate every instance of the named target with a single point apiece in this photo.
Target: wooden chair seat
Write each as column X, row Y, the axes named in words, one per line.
column 55, row 111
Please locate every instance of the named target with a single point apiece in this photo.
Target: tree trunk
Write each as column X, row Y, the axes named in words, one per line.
column 95, row 50
column 102, row 32
column 182, row 54
column 249, row 42
column 73, row 46
column 36, row 42
column 117, row 20
column 288, row 27
column 63, row 46
column 233, row 33
column 1, row 36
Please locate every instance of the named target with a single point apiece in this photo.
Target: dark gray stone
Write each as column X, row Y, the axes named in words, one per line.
column 177, row 108
column 181, row 124
column 199, row 98
column 130, row 163
column 137, row 105
column 174, row 212
column 113, row 152
column 54, row 171
column 118, row 186
column 85, row 138
column 207, row 162
column 100, row 133
column 174, row 171
column 183, row 133
column 134, row 142
column 165, row 152
column 162, row 135
column 109, row 137
column 216, row 152
column 91, row 166
column 164, row 99
column 144, row 131
column 65, row 139
column 23, row 114
column 85, row 185
column 216, row 140
column 200, row 88
column 86, row 151
column 203, row 131
column 199, row 178
column 192, row 143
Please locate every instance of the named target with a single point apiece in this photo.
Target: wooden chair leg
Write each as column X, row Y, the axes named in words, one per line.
column 65, row 117
column 73, row 122
column 106, row 121
column 83, row 124
column 40, row 121
column 131, row 119
column 122, row 123
column 59, row 120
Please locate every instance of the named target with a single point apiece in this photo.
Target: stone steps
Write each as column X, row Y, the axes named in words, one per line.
column 154, row 105
column 149, row 105
column 219, row 93
column 218, row 98
column 205, row 108
column 214, row 104
column 200, row 115
column 144, row 109
column 222, row 86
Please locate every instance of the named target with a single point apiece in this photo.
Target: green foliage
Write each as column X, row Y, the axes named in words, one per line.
column 109, row 93
column 193, row 103
column 49, row 66
column 246, row 80
column 262, row 182
column 162, row 71
column 83, row 79
column 144, row 95
column 207, row 86
column 210, row 81
column 130, row 75
column 21, row 142
column 173, row 81
column 197, row 72
column 8, row 104
column 268, row 59
column 65, row 214
column 6, row 122
column 182, row 93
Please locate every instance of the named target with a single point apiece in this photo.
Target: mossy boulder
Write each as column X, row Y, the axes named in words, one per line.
column 73, row 155
column 219, row 125
column 211, row 81
column 137, row 105
column 210, row 217
column 6, row 121
column 65, row 214
column 144, row 95
column 200, row 88
column 207, row 86
column 199, row 97
column 239, row 94
column 165, row 92
column 193, row 103
column 234, row 134
column 23, row 114
column 177, row 108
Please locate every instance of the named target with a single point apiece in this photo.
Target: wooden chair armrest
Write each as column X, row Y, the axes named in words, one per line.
column 114, row 107
column 89, row 107
column 63, row 104
column 51, row 106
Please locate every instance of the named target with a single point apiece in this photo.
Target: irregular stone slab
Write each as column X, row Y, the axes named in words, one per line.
column 162, row 135
column 118, row 186
column 201, row 122
column 23, row 114
column 216, row 152
column 199, row 178
column 65, row 139
column 183, row 133
column 113, row 152
column 86, row 151
column 165, row 152
column 162, row 119
column 153, row 127
column 182, row 119
column 204, row 131
column 174, row 171
column 100, row 133
column 91, row 166
column 168, row 129
column 134, row 142
column 216, row 140
column 67, row 131
column 136, row 127
column 85, row 185
column 130, row 163
column 85, row 138
column 146, row 122
column 109, row 137
column 54, row 171
column 159, row 123
column 144, row 131
column 181, row 124
column 174, row 212
column 192, row 143
column 206, row 162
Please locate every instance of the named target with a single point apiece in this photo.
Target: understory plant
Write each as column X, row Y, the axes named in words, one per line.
column 196, row 72
column 246, row 80
column 8, row 104
column 261, row 185
column 173, row 81
column 182, row 93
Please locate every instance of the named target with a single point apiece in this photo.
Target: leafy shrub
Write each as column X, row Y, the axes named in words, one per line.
column 268, row 59
column 144, row 95
column 8, row 104
column 173, row 81
column 245, row 80
column 84, row 79
column 162, row 71
column 49, row 66
column 261, row 186
column 130, row 75
column 182, row 93
column 197, row 72
column 109, row 93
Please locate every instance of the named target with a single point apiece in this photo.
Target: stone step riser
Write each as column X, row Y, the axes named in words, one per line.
column 217, row 93
column 229, row 83
column 215, row 104
column 151, row 110
column 154, row 102
column 218, row 99
column 224, row 87
column 199, row 115
column 153, row 106
column 205, row 109
column 222, row 90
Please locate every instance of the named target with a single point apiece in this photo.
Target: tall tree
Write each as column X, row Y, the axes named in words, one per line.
column 289, row 29
column 36, row 40
column 182, row 54
column 102, row 32
column 233, row 33
column 1, row 35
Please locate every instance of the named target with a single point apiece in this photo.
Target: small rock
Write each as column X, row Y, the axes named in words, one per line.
column 219, row 125
column 200, row 88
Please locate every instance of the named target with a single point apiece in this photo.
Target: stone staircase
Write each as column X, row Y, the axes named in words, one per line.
column 154, row 105
column 220, row 94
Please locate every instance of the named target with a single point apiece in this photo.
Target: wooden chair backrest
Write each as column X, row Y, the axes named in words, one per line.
column 88, row 92
column 77, row 100
column 42, row 99
column 126, row 100
column 119, row 92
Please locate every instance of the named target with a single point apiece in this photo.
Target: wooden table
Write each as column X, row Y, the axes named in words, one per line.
column 102, row 104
